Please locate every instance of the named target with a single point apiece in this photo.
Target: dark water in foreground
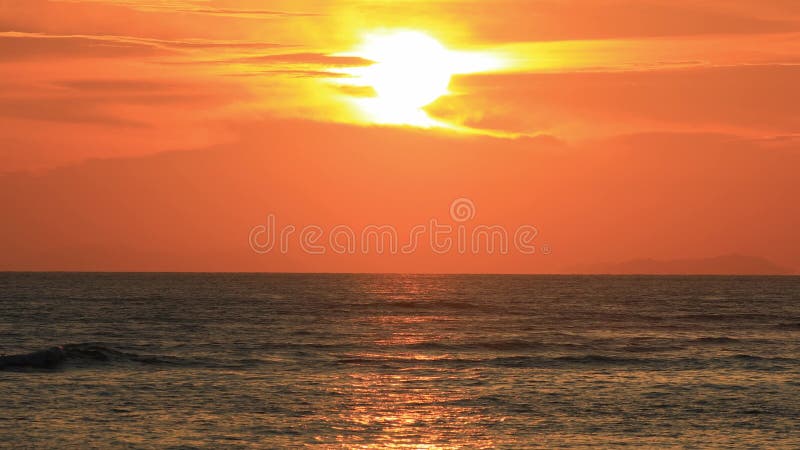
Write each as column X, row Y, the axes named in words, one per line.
column 344, row 361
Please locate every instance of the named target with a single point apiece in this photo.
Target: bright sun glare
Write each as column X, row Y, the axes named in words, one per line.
column 410, row 71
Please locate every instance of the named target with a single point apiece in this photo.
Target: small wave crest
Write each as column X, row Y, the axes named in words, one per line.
column 574, row 361
column 716, row 340
column 498, row 345
column 427, row 305
column 82, row 354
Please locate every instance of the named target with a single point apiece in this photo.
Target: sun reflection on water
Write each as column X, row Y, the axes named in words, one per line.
column 398, row 396
column 407, row 411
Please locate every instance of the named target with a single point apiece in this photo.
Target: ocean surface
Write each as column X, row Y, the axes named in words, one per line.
column 398, row 361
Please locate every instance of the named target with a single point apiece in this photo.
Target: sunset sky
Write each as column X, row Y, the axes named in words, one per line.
column 154, row 135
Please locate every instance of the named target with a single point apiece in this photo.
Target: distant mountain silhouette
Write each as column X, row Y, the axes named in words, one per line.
column 719, row 265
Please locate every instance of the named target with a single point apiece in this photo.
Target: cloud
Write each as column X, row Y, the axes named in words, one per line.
column 168, row 21
column 142, row 91
column 299, row 73
column 757, row 99
column 218, row 44
column 196, row 7
column 316, row 59
column 115, row 102
column 546, row 20
column 356, row 91
column 70, row 110
column 306, row 65
column 28, row 46
column 116, row 85
column 246, row 13
column 63, row 113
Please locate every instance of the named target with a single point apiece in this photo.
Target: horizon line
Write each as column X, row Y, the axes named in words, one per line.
column 203, row 272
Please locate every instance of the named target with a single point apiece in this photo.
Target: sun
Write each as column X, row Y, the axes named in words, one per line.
column 410, row 71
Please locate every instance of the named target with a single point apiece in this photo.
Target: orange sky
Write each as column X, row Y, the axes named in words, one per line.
column 153, row 135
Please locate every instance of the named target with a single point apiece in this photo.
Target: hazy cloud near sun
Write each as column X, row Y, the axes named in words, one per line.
column 546, row 20
column 578, row 71
column 753, row 100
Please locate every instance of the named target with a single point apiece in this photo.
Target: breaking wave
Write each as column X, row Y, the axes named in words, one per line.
column 79, row 354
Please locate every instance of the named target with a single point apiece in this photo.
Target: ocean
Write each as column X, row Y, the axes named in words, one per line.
column 398, row 361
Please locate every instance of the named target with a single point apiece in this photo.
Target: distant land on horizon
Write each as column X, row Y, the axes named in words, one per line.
column 733, row 264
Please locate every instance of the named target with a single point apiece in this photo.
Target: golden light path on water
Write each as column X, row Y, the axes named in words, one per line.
column 417, row 406
column 410, row 70
column 414, row 407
